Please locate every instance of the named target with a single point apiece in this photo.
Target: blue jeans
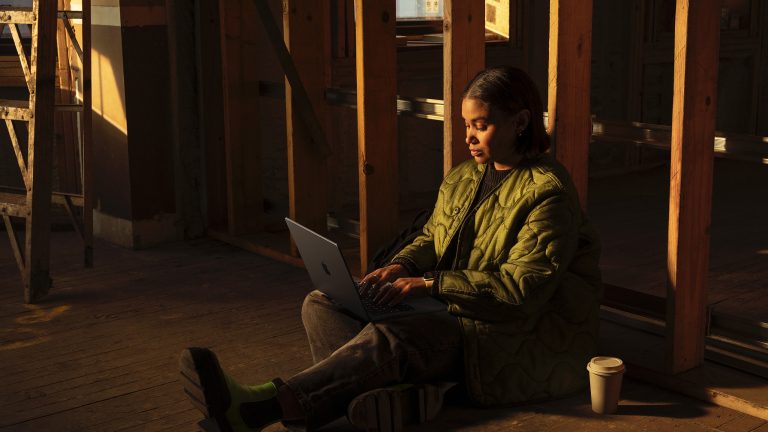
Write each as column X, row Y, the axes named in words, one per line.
column 352, row 357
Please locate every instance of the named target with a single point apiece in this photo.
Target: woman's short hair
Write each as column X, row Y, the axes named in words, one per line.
column 509, row 90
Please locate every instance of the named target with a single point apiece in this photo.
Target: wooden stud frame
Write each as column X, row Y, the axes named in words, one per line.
column 241, row 143
column 34, row 203
column 87, row 132
column 376, row 69
column 570, row 54
column 307, row 38
column 39, row 152
column 463, row 58
column 78, row 206
column 697, row 38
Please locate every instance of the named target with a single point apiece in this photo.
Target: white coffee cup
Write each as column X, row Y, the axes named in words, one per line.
column 605, row 383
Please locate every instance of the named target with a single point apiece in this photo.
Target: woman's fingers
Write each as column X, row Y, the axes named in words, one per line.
column 385, row 293
column 369, row 282
column 379, row 284
column 393, row 293
column 379, row 293
column 397, row 299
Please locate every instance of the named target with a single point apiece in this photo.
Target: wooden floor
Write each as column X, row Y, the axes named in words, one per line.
column 100, row 354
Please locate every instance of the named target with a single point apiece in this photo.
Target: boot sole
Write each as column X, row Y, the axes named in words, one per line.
column 390, row 409
column 206, row 387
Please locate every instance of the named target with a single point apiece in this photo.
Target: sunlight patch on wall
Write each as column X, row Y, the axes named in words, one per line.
column 107, row 67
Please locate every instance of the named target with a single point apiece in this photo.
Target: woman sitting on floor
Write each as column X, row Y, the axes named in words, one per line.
column 508, row 250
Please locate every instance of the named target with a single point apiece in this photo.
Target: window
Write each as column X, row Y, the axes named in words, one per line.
column 420, row 23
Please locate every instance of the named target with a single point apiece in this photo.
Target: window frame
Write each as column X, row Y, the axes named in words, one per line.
column 409, row 30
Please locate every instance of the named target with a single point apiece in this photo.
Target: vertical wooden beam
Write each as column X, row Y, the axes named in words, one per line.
column 87, row 122
column 697, row 38
column 184, row 119
column 211, row 110
column 570, row 54
column 40, row 149
column 241, row 135
column 463, row 58
column 376, row 69
column 306, row 34
column 67, row 139
column 762, row 70
column 635, row 63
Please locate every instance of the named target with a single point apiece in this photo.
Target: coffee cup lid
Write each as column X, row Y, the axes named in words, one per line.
column 606, row 365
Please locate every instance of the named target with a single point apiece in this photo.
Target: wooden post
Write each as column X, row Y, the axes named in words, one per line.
column 66, row 136
column 376, row 68
column 184, row 119
column 87, row 122
column 211, row 110
column 570, row 54
column 463, row 58
column 40, row 149
column 697, row 37
column 306, row 34
column 241, row 134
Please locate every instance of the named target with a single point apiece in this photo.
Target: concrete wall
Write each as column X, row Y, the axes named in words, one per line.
column 133, row 153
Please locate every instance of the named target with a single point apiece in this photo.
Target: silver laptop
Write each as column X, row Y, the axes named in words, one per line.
column 330, row 275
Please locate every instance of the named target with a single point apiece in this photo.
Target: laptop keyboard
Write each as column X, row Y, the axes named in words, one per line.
column 379, row 309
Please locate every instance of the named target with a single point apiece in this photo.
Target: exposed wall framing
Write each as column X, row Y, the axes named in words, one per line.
column 48, row 94
column 306, row 34
column 570, row 57
column 376, row 125
column 697, row 37
column 463, row 58
column 570, row 124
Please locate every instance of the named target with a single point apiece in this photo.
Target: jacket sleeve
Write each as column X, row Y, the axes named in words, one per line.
column 542, row 251
column 422, row 253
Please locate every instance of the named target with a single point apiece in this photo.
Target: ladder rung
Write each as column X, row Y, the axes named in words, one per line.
column 16, row 15
column 71, row 14
column 61, row 198
column 15, row 203
column 69, row 107
column 15, row 110
column 12, row 204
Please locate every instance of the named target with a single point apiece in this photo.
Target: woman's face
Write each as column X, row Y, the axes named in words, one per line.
column 492, row 136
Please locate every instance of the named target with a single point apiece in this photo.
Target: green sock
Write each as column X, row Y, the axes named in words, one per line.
column 253, row 406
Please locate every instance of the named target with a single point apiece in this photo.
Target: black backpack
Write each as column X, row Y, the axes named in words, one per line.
column 385, row 254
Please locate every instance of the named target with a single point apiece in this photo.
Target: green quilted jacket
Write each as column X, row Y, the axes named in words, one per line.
column 524, row 281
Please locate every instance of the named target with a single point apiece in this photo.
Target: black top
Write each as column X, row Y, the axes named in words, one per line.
column 491, row 179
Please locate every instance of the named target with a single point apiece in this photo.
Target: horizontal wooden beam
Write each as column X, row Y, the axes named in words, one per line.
column 18, row 195
column 71, row 14
column 15, row 110
column 262, row 244
column 16, row 15
column 69, row 107
column 12, row 204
